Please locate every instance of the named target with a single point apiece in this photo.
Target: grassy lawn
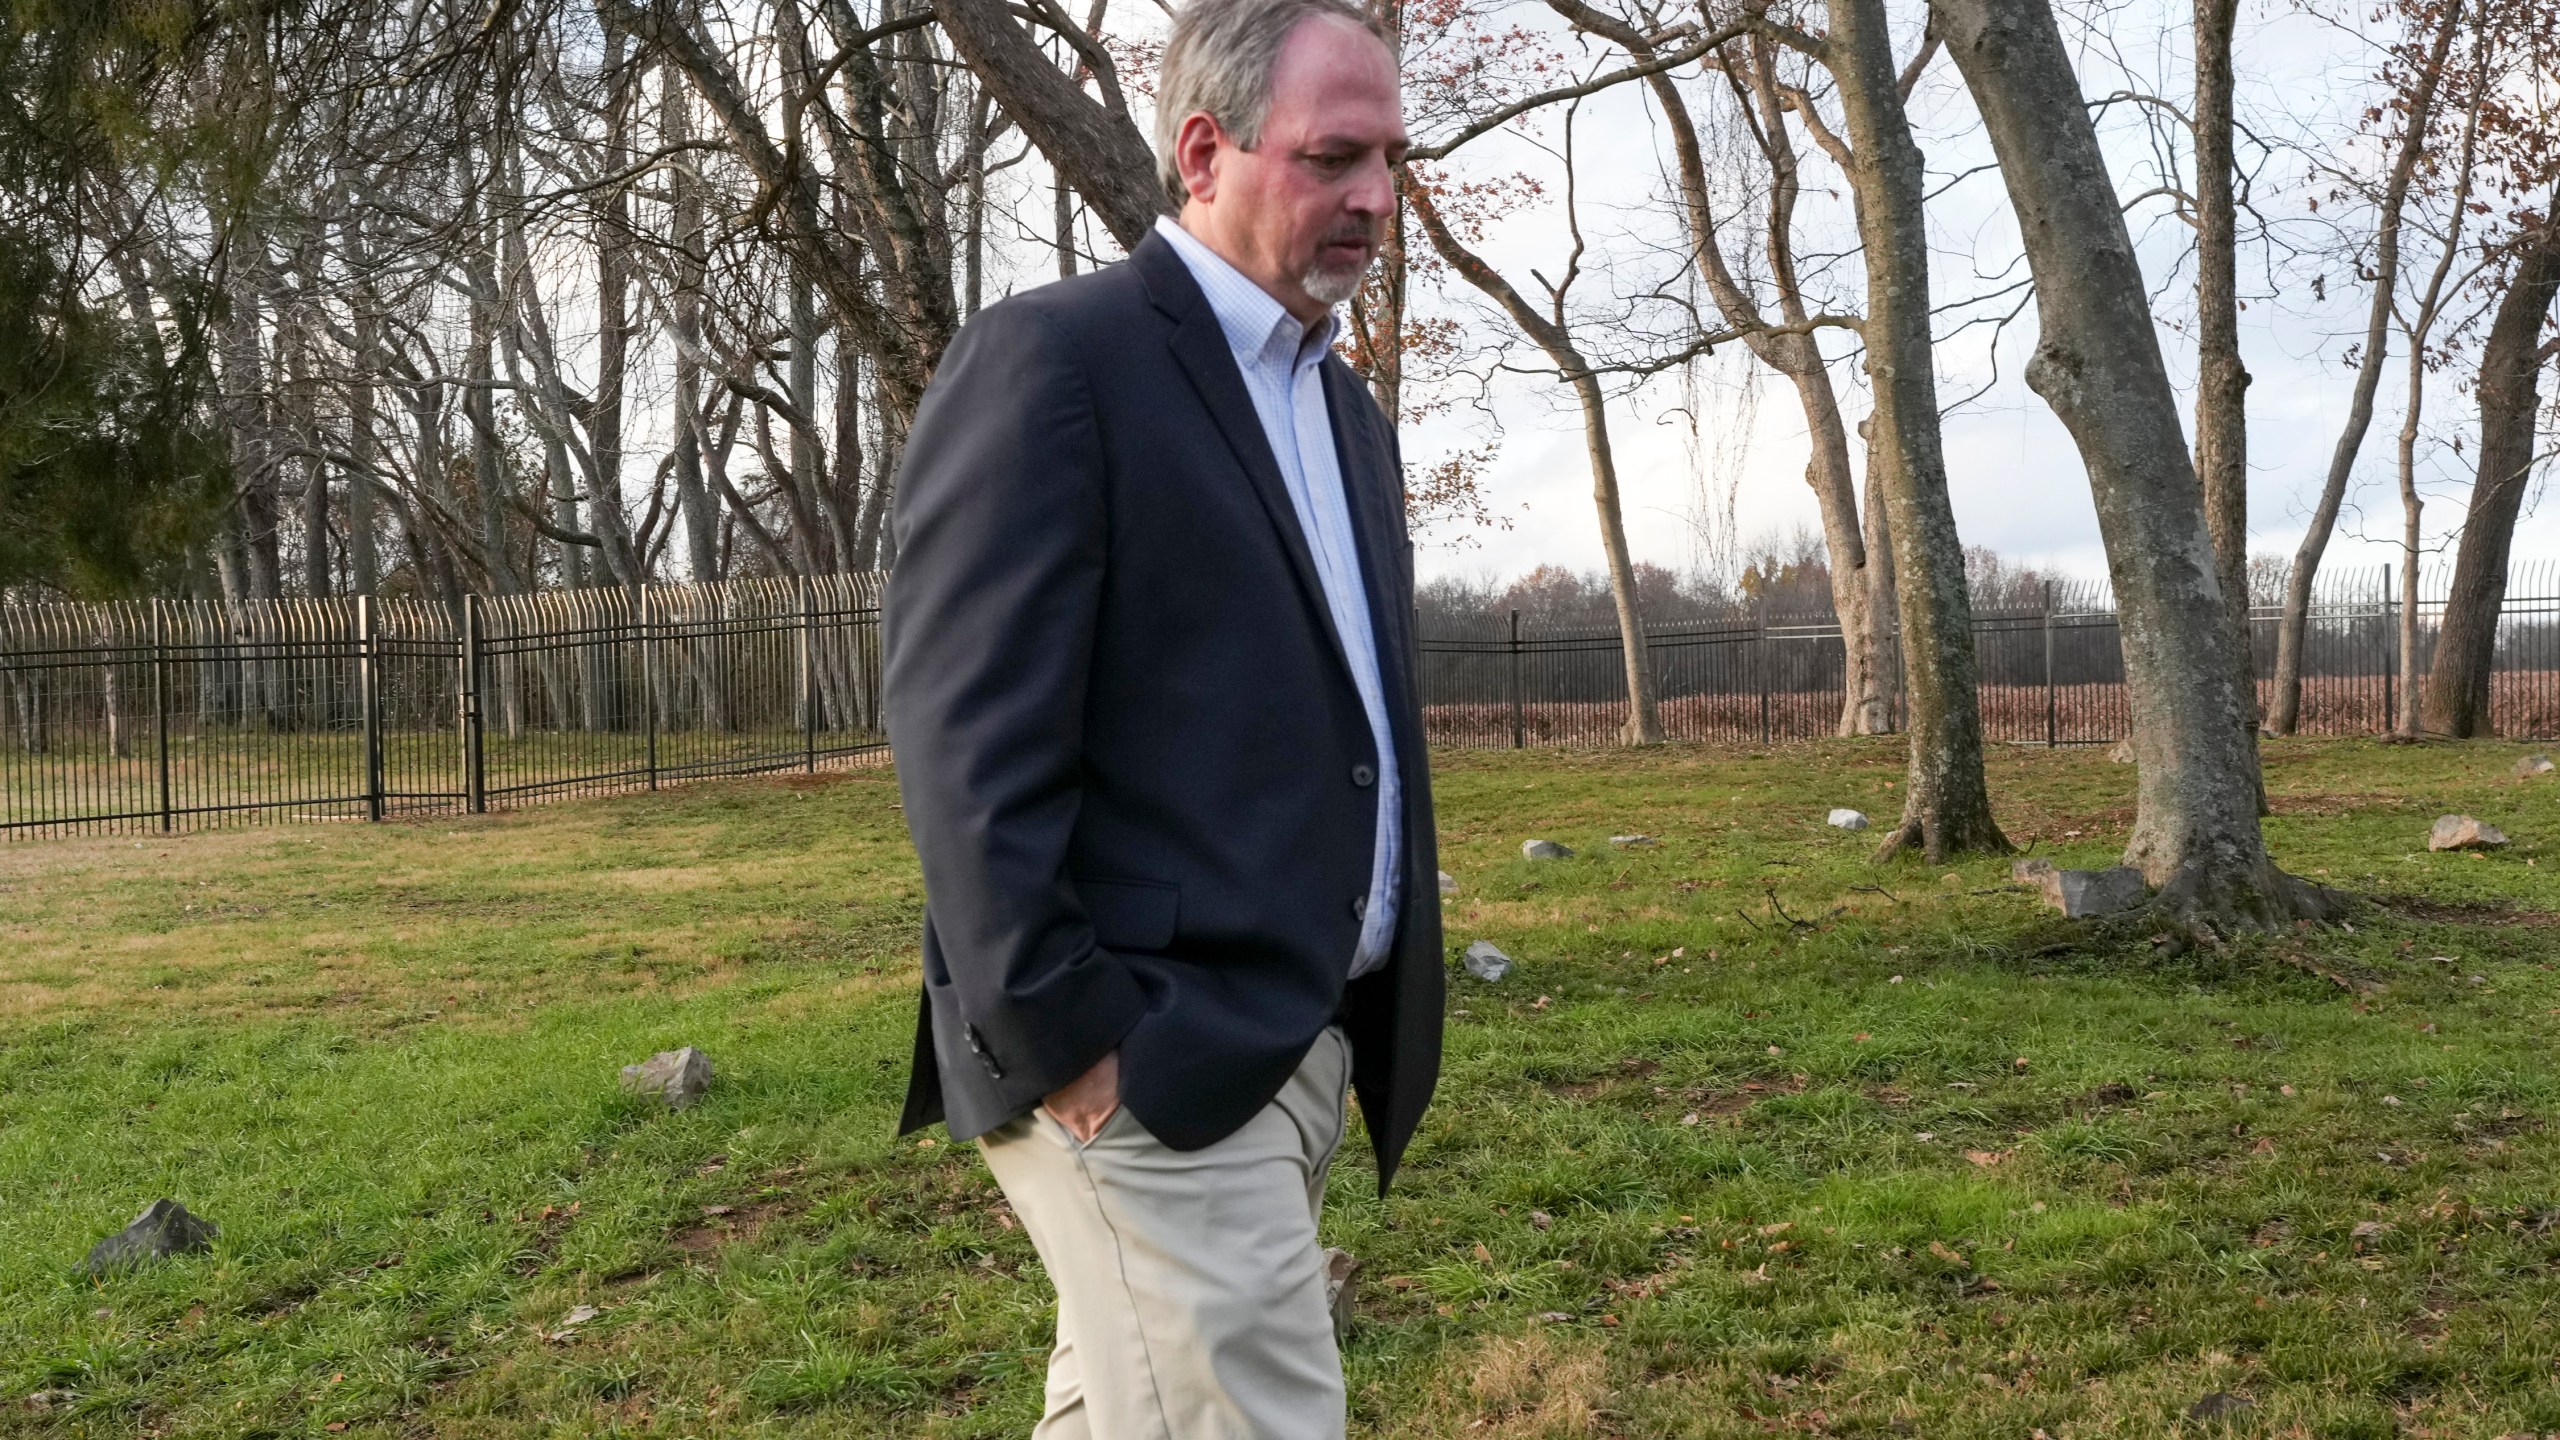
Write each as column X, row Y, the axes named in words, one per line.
column 1756, row 1138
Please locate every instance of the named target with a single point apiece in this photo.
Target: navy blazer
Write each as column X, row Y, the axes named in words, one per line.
column 1133, row 760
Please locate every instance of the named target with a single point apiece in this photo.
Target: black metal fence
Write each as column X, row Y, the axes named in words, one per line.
column 177, row 715
column 2052, row 674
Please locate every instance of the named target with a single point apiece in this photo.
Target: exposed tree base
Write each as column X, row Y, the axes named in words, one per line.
column 1939, row 838
column 2204, row 905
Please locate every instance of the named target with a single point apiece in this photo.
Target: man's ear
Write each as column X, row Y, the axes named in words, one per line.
column 1195, row 154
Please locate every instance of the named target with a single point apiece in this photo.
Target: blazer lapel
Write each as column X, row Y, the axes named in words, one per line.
column 1368, row 480
column 1202, row 348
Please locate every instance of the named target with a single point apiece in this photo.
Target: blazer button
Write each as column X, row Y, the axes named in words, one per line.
column 1363, row 776
column 986, row 1057
column 1359, row 907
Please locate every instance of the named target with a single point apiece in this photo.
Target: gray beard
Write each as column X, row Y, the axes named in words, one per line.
column 1334, row 284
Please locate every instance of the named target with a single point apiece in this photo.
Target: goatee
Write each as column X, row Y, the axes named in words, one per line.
column 1334, row 284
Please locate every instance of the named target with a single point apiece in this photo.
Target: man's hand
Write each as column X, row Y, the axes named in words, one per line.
column 1089, row 1100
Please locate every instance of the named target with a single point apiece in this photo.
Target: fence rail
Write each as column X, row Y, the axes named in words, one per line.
column 171, row 715
column 2051, row 675
column 175, row 715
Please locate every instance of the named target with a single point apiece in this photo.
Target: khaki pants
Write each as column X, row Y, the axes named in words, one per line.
column 1190, row 1285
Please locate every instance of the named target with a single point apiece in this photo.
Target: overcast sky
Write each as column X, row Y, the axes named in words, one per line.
column 2017, row 482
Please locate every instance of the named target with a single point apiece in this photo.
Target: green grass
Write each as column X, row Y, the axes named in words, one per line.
column 1756, row 1138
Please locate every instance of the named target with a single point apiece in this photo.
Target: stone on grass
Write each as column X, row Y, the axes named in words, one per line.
column 680, row 1076
column 1624, row 842
column 1340, row 1268
column 2533, row 765
column 1448, row 883
column 2220, row 1405
column 1846, row 819
column 1486, row 962
column 2079, row 894
column 1545, row 850
column 2123, row 753
column 2461, row 832
column 163, row 1230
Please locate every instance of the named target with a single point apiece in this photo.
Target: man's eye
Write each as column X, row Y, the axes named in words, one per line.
column 1331, row 163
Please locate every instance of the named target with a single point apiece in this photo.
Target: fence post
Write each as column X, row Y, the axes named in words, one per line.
column 809, row 674
column 2052, row 719
column 1760, row 662
column 2390, row 659
column 1519, row 717
column 649, row 676
column 369, row 701
column 160, row 701
column 475, row 779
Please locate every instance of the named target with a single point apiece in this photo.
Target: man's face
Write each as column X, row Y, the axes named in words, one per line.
column 1303, row 212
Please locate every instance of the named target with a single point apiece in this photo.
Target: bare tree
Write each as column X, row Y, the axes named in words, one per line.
column 1947, row 803
column 2511, row 361
column 1552, row 331
column 2416, row 115
column 2098, row 364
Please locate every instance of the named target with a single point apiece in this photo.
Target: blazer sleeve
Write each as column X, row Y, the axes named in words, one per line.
column 989, row 624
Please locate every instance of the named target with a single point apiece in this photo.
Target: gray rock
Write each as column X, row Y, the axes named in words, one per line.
column 1485, row 961
column 1628, row 841
column 2220, row 1405
column 1341, row 1268
column 2123, row 753
column 1448, row 883
column 1545, row 850
column 2032, row 870
column 2461, row 832
column 1846, row 819
column 678, row 1075
column 2080, row 894
column 2533, row 765
column 163, row 1230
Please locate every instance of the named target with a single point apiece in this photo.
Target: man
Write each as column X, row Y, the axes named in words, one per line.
column 1150, row 685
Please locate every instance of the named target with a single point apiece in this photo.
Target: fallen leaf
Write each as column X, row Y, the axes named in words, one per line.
column 1482, row 1254
column 1861, row 1037
column 1985, row 1157
column 1946, row 1252
column 1541, row 1219
column 1540, row 1003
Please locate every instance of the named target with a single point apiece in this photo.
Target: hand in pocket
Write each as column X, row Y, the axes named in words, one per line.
column 1088, row 1101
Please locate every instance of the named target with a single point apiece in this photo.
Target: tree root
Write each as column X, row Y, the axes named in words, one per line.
column 2202, row 907
column 1938, row 840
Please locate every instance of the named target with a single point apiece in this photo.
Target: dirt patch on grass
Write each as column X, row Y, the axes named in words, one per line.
column 1544, row 1385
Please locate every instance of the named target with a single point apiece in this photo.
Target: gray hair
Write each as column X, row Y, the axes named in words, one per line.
column 1219, row 62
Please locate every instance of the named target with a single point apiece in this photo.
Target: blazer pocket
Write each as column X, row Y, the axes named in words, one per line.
column 1131, row 914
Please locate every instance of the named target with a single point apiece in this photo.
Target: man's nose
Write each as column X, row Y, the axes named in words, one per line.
column 1373, row 188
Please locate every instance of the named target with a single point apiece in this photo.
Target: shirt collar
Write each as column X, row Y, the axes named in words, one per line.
column 1256, row 325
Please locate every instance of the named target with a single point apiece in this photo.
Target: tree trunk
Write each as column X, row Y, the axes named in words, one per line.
column 1098, row 149
column 1947, row 804
column 693, row 495
column 2457, row 701
column 2405, row 723
column 2222, row 381
column 2098, row 364
column 2284, row 710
